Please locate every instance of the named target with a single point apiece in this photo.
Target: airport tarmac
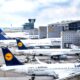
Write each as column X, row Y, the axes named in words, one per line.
column 17, row 76
column 25, row 78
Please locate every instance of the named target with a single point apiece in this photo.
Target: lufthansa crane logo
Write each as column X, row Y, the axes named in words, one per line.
column 20, row 44
column 8, row 56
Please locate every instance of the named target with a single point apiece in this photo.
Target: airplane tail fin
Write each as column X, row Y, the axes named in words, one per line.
column 10, row 59
column 2, row 37
column 1, row 32
column 20, row 45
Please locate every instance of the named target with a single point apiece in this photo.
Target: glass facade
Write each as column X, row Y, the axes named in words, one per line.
column 74, row 25
column 71, row 26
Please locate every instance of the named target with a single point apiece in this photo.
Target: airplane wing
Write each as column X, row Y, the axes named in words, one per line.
column 40, row 61
column 67, row 74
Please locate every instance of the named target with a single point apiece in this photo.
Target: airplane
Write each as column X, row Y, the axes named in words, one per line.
column 14, row 35
column 53, row 53
column 38, row 43
column 56, row 70
column 5, row 41
column 42, row 43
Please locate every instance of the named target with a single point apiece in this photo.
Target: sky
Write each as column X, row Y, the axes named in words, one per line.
column 17, row 12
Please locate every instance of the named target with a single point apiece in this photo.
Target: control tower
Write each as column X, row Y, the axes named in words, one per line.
column 30, row 25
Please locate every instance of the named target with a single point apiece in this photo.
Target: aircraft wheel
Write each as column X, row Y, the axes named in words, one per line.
column 52, row 57
column 40, row 55
column 77, row 54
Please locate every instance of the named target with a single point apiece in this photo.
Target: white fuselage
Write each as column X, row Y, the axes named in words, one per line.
column 55, row 70
column 50, row 51
column 41, row 42
column 16, row 35
column 7, row 42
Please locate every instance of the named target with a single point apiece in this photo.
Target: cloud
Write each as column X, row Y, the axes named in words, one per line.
column 59, row 13
column 11, row 7
column 51, row 1
column 18, row 6
column 6, row 20
column 2, row 1
column 16, row 12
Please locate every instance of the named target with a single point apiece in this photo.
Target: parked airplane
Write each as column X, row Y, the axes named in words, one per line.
column 38, row 43
column 53, row 53
column 8, row 39
column 5, row 41
column 14, row 35
column 57, row 70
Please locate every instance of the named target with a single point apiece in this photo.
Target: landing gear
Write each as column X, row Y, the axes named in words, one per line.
column 33, row 58
column 32, row 77
column 77, row 54
column 55, row 77
column 27, row 59
column 55, row 57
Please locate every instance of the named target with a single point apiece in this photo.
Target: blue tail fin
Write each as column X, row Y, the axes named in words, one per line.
column 20, row 45
column 2, row 37
column 9, row 58
column 1, row 32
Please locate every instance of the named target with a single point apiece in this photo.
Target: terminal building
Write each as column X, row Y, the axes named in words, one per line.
column 71, row 34
column 42, row 32
column 54, row 30
column 68, row 31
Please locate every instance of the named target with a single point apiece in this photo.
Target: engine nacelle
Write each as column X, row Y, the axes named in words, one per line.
column 59, row 57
